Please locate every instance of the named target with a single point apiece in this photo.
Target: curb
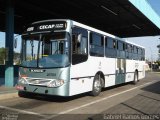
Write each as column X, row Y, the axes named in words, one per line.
column 8, row 95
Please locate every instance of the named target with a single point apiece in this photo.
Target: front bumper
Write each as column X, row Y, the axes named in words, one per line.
column 59, row 91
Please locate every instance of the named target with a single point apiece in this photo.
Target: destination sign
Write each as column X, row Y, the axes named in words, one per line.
column 52, row 26
column 47, row 26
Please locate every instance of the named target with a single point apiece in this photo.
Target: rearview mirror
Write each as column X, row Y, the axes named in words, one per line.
column 79, row 37
column 15, row 43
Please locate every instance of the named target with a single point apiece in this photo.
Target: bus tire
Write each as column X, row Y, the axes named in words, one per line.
column 21, row 94
column 97, row 86
column 135, row 78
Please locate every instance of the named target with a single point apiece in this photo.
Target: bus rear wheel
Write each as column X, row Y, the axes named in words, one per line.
column 135, row 78
column 97, row 86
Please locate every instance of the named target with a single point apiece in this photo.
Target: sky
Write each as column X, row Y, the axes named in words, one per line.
column 155, row 5
column 149, row 42
column 2, row 41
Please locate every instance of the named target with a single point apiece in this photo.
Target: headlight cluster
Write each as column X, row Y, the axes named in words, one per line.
column 23, row 81
column 56, row 83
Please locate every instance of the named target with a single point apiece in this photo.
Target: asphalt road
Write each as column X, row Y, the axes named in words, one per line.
column 80, row 107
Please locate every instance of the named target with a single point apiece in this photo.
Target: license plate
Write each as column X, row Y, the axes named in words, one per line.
column 19, row 87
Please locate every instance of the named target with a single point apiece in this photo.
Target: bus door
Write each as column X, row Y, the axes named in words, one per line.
column 120, row 71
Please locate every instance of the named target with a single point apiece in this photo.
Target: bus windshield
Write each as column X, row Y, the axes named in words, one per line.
column 45, row 50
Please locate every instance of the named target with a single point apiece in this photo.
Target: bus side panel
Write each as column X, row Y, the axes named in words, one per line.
column 82, row 74
column 81, row 78
column 109, row 70
column 130, row 69
column 110, row 80
column 141, row 70
column 105, row 65
column 81, row 85
column 131, row 66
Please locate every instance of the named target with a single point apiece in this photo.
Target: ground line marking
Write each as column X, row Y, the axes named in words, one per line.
column 96, row 101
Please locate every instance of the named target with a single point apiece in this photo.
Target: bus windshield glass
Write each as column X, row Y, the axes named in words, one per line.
column 45, row 50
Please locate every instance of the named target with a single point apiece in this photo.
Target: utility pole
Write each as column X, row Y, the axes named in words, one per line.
column 151, row 59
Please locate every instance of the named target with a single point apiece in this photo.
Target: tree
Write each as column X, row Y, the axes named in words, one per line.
column 16, row 58
column 2, row 55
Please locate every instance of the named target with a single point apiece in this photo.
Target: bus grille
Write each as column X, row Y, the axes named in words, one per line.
column 39, row 81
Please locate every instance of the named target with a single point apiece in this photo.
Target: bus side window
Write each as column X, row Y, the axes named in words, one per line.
column 143, row 54
column 110, row 48
column 139, row 53
column 120, row 49
column 129, row 51
column 114, row 44
column 79, row 45
column 126, row 50
column 83, row 46
column 96, row 45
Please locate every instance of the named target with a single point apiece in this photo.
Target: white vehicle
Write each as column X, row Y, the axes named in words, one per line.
column 63, row 57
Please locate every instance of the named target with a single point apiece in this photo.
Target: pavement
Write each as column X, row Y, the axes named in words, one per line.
column 145, row 105
column 129, row 102
column 8, row 92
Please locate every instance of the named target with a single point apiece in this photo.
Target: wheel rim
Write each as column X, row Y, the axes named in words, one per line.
column 97, row 85
column 136, row 78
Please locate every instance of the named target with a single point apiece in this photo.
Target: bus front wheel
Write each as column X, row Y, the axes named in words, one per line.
column 97, row 86
column 22, row 94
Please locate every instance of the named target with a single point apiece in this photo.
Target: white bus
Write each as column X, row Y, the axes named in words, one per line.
column 65, row 58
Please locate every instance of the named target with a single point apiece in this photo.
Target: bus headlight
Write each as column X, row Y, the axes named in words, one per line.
column 56, row 83
column 23, row 81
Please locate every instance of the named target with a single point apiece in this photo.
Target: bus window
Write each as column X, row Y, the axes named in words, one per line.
column 114, row 44
column 130, row 50
column 96, row 45
column 139, row 53
column 124, row 46
column 120, row 46
column 79, row 45
column 143, row 54
column 135, row 52
column 126, row 50
column 120, row 49
column 110, row 48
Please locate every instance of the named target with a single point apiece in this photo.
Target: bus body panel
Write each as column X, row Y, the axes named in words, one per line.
column 131, row 67
column 60, row 91
column 82, row 75
column 80, row 85
column 34, row 77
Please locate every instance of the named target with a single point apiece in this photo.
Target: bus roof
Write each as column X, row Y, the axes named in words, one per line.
column 104, row 33
column 81, row 25
column 134, row 44
column 90, row 29
column 96, row 30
